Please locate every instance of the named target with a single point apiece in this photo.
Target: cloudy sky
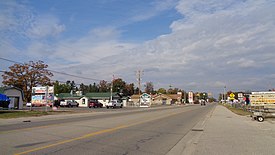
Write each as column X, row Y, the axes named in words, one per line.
column 195, row 45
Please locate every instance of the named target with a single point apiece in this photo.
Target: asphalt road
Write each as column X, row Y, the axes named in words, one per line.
column 141, row 131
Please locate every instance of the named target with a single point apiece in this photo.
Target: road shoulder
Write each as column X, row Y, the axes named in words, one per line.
column 228, row 133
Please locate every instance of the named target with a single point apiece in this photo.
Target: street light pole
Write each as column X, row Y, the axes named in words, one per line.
column 224, row 93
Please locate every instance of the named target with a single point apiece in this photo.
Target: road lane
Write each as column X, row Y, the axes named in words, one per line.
column 148, row 132
column 70, row 118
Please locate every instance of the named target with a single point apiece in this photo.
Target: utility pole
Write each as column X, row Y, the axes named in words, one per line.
column 139, row 83
column 112, row 83
column 224, row 94
column 46, row 97
column 184, row 96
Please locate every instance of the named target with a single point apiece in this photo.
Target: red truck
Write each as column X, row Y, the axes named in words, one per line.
column 95, row 104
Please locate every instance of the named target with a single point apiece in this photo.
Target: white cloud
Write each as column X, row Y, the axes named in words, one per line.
column 5, row 22
column 157, row 8
column 218, row 84
column 242, row 63
column 216, row 43
column 44, row 26
column 215, row 40
column 15, row 19
column 90, row 49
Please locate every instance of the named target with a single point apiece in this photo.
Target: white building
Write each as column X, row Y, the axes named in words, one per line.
column 16, row 96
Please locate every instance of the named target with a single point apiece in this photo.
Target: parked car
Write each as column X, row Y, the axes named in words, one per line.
column 56, row 103
column 95, row 104
column 29, row 104
column 69, row 103
column 114, row 104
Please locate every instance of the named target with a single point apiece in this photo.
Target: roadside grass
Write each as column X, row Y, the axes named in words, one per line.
column 6, row 114
column 237, row 111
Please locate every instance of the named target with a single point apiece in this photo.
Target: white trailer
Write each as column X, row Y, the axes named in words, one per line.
column 265, row 103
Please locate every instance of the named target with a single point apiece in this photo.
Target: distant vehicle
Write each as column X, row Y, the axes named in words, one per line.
column 29, row 104
column 203, row 102
column 69, row 103
column 95, row 104
column 114, row 104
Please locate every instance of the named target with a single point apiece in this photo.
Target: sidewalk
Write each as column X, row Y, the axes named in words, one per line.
column 226, row 133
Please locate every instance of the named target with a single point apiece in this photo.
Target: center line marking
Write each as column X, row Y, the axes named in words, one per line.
column 94, row 134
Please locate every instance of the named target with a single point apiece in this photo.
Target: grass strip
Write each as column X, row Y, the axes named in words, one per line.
column 237, row 111
column 16, row 114
column 6, row 114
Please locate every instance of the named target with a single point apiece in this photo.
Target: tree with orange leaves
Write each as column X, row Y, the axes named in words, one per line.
column 26, row 76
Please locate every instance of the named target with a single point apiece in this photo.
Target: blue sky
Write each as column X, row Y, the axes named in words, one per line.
column 193, row 45
column 136, row 19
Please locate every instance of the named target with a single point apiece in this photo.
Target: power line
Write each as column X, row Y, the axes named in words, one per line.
column 10, row 60
column 62, row 73
column 73, row 75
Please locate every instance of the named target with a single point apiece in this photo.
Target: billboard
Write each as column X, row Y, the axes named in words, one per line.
column 42, row 96
column 42, row 90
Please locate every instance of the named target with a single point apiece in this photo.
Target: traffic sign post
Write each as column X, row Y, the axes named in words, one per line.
column 232, row 96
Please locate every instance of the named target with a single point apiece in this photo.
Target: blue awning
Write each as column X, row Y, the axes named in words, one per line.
column 4, row 97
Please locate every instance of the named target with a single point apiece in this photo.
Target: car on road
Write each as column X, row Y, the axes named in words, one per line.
column 95, row 104
column 114, row 104
column 202, row 102
column 69, row 103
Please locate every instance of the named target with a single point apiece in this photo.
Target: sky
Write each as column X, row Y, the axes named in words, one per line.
column 194, row 45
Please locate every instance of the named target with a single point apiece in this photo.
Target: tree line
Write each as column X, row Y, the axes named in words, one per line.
column 33, row 74
column 118, row 85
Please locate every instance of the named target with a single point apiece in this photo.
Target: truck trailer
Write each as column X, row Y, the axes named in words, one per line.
column 264, row 105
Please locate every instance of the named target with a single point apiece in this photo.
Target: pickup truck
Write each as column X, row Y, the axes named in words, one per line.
column 114, row 104
column 69, row 103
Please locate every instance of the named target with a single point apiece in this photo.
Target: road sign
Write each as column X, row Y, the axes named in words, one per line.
column 145, row 100
column 232, row 96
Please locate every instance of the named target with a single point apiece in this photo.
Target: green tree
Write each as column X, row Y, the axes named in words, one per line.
column 62, row 87
column 137, row 91
column 203, row 95
column 173, row 91
column 119, row 85
column 93, row 88
column 84, row 88
column 149, row 87
column 129, row 89
column 72, row 86
column 26, row 76
column 103, row 86
column 161, row 91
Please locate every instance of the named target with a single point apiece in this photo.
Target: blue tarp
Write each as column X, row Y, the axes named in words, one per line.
column 4, row 97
